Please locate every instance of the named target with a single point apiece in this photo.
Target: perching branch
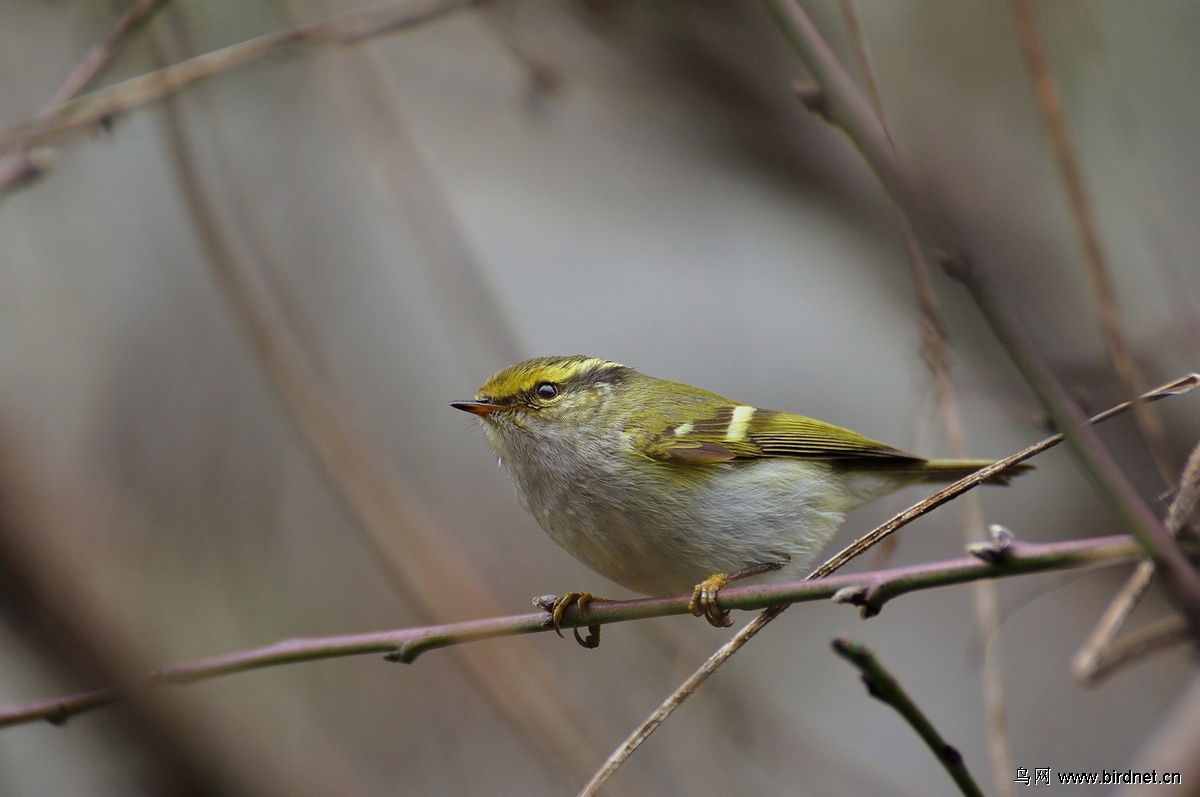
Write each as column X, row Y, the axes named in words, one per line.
column 867, row 591
column 870, row 591
column 882, row 686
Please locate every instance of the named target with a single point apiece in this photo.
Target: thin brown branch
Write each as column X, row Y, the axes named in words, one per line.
column 866, row 591
column 19, row 165
column 870, row 591
column 245, row 218
column 1180, row 297
column 863, row 53
column 1071, row 173
column 103, row 106
column 837, row 100
column 542, row 78
column 1181, row 578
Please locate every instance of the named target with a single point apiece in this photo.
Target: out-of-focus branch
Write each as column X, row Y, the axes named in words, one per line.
column 870, row 591
column 18, row 166
column 882, row 686
column 840, row 102
column 1119, row 352
column 1181, row 579
column 103, row 106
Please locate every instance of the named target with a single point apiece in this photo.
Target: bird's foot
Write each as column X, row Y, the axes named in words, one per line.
column 580, row 600
column 704, row 597
column 704, row 601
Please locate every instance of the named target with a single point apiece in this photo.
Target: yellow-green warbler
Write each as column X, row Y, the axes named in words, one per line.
column 664, row 487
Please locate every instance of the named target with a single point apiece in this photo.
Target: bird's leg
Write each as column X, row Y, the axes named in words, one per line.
column 704, row 597
column 581, row 600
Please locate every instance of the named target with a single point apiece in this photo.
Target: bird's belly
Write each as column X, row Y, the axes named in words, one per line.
column 654, row 538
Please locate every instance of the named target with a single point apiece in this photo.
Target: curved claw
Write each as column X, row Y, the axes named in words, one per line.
column 580, row 599
column 704, row 601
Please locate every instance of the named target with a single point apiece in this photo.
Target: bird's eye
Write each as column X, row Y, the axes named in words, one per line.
column 546, row 390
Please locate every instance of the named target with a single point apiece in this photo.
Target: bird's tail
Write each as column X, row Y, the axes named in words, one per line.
column 938, row 471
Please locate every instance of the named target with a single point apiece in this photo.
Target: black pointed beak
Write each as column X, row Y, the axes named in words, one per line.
column 475, row 406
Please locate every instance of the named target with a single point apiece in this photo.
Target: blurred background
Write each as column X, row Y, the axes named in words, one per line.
column 630, row 181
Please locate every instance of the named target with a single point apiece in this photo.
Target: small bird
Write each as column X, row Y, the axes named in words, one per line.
column 663, row 487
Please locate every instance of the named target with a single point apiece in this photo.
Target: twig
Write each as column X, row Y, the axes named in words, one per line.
column 870, row 591
column 935, row 351
column 1071, row 174
column 103, row 106
column 542, row 77
column 843, row 106
column 18, row 165
column 1089, row 659
column 882, row 686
